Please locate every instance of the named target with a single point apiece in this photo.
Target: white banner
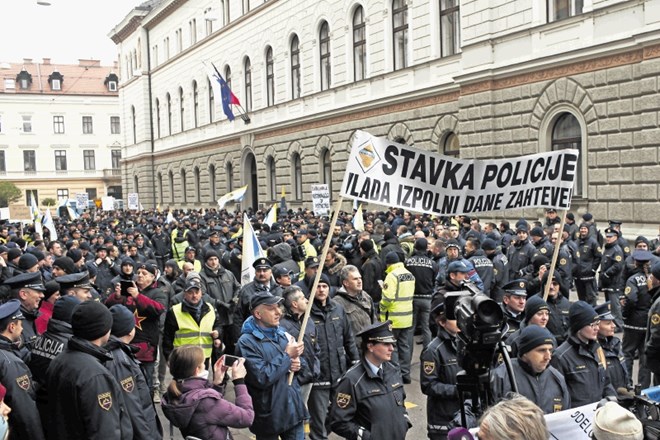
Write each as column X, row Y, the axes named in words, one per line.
column 391, row 174
column 251, row 251
column 108, row 203
column 81, row 200
column 321, row 199
column 133, row 201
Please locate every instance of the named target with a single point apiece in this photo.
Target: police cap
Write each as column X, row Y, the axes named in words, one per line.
column 458, row 266
column 378, row 332
column 262, row 263
column 29, row 280
column 262, row 298
column 11, row 310
column 605, row 312
column 516, row 287
column 312, row 262
column 74, row 280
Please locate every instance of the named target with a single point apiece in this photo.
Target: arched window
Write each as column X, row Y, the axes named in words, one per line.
column 230, row 177
column 160, row 188
column 228, row 76
column 272, row 179
column 324, row 54
column 157, row 118
column 198, row 185
column 212, row 183
column 184, row 187
column 400, row 33
column 450, row 145
column 171, row 179
column 195, row 103
column 295, row 67
column 450, row 29
column 211, row 103
column 248, row 84
column 136, row 184
column 270, row 77
column 326, row 163
column 297, row 177
column 169, row 114
column 181, row 111
column 359, row 44
column 134, row 123
column 567, row 133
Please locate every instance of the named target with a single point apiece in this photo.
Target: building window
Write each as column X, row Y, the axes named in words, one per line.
column 560, row 9
column 270, row 77
column 450, row 145
column 62, row 194
column 56, row 85
column 24, row 79
column 134, row 124
column 359, row 44
column 60, row 160
column 136, row 184
column 324, row 53
column 209, row 27
column 228, row 76
column 29, row 161
column 158, row 118
column 91, row 193
column 166, row 43
column 295, row 67
column 115, row 156
column 171, row 179
column 246, row 6
column 400, row 33
column 193, row 31
column 181, row 108
column 272, row 179
column 154, row 57
column 31, row 194
column 450, row 29
column 211, row 102
column 27, row 124
column 224, row 5
column 248, row 85
column 326, row 162
column 87, row 125
column 195, row 103
column 297, row 177
column 179, row 40
column 160, row 188
column 567, row 133
column 3, row 162
column 111, row 82
column 198, row 185
column 89, row 159
column 184, row 186
column 169, row 114
column 115, row 127
column 230, row 177
column 212, row 181
column 58, row 124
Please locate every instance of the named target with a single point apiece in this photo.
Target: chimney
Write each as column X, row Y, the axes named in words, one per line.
column 27, row 60
column 88, row 63
column 46, row 61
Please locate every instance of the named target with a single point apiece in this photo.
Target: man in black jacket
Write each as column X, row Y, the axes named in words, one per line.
column 372, row 270
column 587, row 260
column 424, row 270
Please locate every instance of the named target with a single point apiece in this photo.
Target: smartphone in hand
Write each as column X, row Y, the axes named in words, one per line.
column 230, row 360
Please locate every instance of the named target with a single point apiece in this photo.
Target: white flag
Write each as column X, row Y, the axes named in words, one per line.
column 236, row 195
column 271, row 217
column 48, row 222
column 169, row 218
column 358, row 219
column 251, row 251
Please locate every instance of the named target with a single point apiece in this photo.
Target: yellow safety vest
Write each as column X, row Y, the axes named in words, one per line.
column 189, row 333
column 397, row 302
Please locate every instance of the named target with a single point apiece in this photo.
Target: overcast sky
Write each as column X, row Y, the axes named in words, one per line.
column 64, row 31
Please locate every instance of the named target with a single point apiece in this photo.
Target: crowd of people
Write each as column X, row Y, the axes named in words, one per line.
column 91, row 321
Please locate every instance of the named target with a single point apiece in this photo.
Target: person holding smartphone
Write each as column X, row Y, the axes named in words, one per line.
column 196, row 406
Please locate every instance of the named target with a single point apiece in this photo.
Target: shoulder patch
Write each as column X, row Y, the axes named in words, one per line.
column 429, row 367
column 343, row 400
column 128, row 384
column 544, row 250
column 23, row 382
column 626, row 250
column 655, row 319
column 105, row 400
column 600, row 249
column 557, row 407
column 627, row 291
column 618, row 258
column 562, row 261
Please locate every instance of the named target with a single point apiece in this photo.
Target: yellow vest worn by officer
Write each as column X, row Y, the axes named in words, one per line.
column 310, row 251
column 398, row 291
column 179, row 248
column 190, row 333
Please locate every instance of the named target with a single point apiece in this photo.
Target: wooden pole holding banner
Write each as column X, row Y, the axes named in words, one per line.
column 555, row 254
column 317, row 278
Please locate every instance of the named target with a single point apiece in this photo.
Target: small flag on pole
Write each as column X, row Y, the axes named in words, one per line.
column 251, row 251
column 48, row 222
column 236, row 196
column 358, row 219
column 221, row 89
column 271, row 217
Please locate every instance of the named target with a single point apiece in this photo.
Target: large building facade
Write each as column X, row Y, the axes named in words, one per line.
column 60, row 129
column 474, row 79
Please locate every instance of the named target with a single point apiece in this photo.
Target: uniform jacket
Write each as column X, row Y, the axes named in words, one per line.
column 558, row 320
column 585, row 376
column 372, row 271
column 520, row 258
column 398, row 290
column 291, row 324
column 201, row 411
column 424, row 269
column 484, row 268
column 616, row 365
column 47, row 347
column 336, row 342
column 438, row 369
column 360, row 310
column 137, row 397
column 369, row 407
column 587, row 258
column 547, row 389
column 278, row 407
column 653, row 333
column 611, row 268
column 16, row 377
column 90, row 403
column 637, row 304
column 223, row 288
column 500, row 274
column 441, row 278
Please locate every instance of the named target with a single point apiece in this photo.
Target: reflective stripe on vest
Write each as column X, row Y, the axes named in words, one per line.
column 189, row 333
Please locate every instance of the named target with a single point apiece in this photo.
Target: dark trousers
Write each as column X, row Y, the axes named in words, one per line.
column 402, row 350
column 318, row 405
column 586, row 290
column 148, row 369
column 633, row 342
column 613, row 297
column 295, row 433
column 421, row 309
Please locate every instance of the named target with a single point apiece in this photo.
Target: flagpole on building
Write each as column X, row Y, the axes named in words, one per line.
column 319, row 272
column 546, row 290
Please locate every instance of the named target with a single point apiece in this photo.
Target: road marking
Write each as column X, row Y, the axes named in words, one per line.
column 409, row 405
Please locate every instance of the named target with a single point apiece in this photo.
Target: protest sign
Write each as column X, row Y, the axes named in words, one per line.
column 108, row 203
column 133, row 201
column 321, row 199
column 392, row 174
column 81, row 200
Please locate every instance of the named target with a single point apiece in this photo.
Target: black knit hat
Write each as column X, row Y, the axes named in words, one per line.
column 64, row 307
column 66, row 264
column 533, row 305
column 27, row 261
column 123, row 321
column 91, row 320
column 532, row 336
column 392, row 258
column 581, row 314
column 210, row 253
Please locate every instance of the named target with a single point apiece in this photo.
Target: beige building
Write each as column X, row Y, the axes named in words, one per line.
column 60, row 129
column 476, row 78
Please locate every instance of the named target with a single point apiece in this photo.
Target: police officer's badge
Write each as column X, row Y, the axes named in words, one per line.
column 618, row 258
column 23, row 382
column 544, row 250
column 522, row 284
column 627, row 291
column 626, row 250
column 562, row 262
column 105, row 400
column 389, row 326
column 429, row 367
column 128, row 384
column 343, row 400
column 655, row 319
column 494, row 271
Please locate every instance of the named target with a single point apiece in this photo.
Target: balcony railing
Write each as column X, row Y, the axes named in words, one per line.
column 110, row 173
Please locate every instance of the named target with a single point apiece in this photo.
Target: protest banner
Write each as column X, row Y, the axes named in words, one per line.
column 320, row 199
column 391, row 174
column 108, row 203
column 133, row 201
column 81, row 200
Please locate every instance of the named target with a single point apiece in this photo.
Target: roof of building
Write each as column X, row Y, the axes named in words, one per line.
column 87, row 77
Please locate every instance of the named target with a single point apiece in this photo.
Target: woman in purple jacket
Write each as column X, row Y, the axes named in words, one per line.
column 196, row 406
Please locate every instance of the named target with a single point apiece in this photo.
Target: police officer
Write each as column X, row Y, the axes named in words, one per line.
column 541, row 242
column 438, row 369
column 653, row 325
column 611, row 270
column 587, row 260
column 536, row 379
column 24, row 419
column 424, row 269
column 520, row 254
column 513, row 304
column 370, row 399
column 616, row 368
column 29, row 290
column 622, row 242
column 75, row 284
column 558, row 306
column 581, row 359
column 500, row 268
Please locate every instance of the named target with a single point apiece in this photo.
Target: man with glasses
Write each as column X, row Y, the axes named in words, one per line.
column 581, row 359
